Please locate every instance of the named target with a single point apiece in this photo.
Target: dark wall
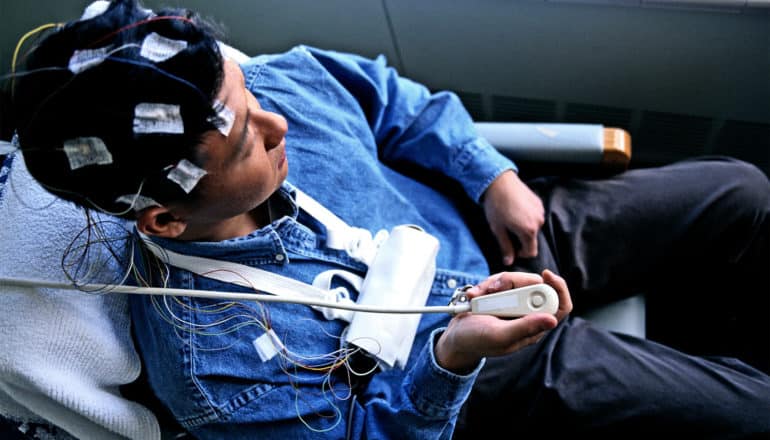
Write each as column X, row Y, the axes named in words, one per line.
column 684, row 81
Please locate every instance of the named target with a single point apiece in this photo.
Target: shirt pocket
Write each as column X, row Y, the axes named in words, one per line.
column 244, row 351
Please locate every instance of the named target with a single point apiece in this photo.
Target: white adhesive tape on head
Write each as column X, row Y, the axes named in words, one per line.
column 136, row 201
column 85, row 151
column 186, row 174
column 224, row 119
column 157, row 48
column 151, row 117
column 95, row 9
column 87, row 58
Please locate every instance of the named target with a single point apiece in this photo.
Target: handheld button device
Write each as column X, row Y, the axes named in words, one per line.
column 514, row 303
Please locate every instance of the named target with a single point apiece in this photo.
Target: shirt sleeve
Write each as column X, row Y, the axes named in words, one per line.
column 426, row 406
column 413, row 125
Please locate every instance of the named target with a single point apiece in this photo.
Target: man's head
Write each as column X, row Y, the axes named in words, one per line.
column 131, row 108
column 243, row 168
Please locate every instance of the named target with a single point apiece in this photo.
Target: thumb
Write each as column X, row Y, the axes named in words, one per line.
column 527, row 330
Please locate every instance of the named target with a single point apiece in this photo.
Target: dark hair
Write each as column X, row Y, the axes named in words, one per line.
column 55, row 103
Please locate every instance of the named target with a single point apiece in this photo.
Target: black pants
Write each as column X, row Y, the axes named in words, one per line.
column 694, row 237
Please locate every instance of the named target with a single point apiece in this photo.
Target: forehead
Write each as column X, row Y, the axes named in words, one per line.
column 232, row 83
column 225, row 144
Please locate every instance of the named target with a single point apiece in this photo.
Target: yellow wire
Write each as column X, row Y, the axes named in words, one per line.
column 18, row 47
column 24, row 38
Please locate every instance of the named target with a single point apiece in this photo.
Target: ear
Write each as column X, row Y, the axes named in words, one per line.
column 159, row 221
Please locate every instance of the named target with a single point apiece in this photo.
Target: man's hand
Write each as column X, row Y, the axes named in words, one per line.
column 511, row 207
column 471, row 337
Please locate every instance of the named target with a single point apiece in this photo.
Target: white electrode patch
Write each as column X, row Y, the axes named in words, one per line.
column 268, row 345
column 225, row 118
column 186, row 175
column 150, row 117
column 85, row 151
column 158, row 48
column 136, row 201
column 87, row 58
column 7, row 148
column 95, row 9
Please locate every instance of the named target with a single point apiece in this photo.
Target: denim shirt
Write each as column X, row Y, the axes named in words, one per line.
column 356, row 133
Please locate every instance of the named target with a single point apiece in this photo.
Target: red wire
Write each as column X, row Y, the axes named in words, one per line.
column 139, row 23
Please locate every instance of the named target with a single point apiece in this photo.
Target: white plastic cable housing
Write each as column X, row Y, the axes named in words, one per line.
column 514, row 303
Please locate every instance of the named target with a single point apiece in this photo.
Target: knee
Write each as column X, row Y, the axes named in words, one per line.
column 745, row 184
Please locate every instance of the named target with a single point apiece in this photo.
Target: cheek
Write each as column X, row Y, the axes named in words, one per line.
column 260, row 179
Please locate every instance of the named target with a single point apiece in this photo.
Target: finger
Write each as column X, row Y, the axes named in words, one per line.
column 506, row 246
column 504, row 281
column 560, row 285
column 492, row 284
column 513, row 280
column 524, row 331
column 528, row 244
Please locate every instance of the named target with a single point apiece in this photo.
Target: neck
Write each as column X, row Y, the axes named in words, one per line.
column 233, row 227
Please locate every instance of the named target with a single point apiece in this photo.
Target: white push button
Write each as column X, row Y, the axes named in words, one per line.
column 537, row 299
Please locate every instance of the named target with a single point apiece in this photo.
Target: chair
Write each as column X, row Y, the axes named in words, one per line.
column 582, row 144
column 63, row 354
column 590, row 145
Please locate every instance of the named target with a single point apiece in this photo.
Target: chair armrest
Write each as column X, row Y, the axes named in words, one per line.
column 623, row 316
column 616, row 147
column 590, row 144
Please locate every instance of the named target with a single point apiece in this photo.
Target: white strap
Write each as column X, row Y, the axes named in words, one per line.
column 357, row 242
column 324, row 281
column 337, row 231
column 254, row 278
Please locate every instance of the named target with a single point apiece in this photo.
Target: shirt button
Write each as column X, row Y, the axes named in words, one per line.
column 279, row 257
column 451, row 283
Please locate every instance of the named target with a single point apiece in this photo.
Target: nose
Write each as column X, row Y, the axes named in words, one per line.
column 273, row 127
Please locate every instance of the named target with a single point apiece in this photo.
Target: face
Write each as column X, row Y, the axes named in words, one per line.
column 245, row 167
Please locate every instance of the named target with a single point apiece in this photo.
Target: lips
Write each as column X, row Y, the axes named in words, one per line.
column 281, row 155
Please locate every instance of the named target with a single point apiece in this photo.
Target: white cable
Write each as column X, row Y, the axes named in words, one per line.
column 214, row 294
